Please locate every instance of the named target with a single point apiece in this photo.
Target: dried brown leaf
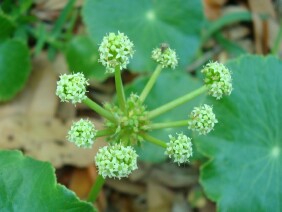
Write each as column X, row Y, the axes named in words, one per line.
column 159, row 197
column 212, row 8
column 125, row 186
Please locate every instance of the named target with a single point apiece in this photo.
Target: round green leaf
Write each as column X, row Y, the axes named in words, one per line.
column 30, row 185
column 244, row 173
column 82, row 56
column 148, row 24
column 169, row 86
column 15, row 68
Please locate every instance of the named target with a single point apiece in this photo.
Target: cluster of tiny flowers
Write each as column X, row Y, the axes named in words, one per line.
column 180, row 148
column 131, row 122
column 166, row 57
column 82, row 133
column 72, row 88
column 115, row 51
column 202, row 119
column 218, row 79
column 116, row 161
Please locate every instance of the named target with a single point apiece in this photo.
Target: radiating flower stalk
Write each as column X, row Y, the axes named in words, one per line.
column 129, row 123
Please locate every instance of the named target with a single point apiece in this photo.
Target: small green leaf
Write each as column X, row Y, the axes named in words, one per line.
column 15, row 68
column 82, row 56
column 170, row 85
column 30, row 185
column 225, row 20
column 7, row 26
column 244, row 173
column 148, row 24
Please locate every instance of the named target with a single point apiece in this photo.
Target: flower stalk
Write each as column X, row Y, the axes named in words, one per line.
column 102, row 133
column 150, row 83
column 177, row 102
column 95, row 190
column 154, row 140
column 119, row 89
column 161, row 125
column 98, row 109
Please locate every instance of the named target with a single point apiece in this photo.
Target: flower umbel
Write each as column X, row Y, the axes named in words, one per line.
column 129, row 123
column 116, row 161
column 165, row 56
column 82, row 133
column 115, row 51
column 179, row 148
column 72, row 88
column 218, row 79
column 202, row 119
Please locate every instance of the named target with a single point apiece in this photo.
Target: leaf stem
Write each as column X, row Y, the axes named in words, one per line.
column 180, row 123
column 177, row 102
column 95, row 190
column 150, row 83
column 154, row 140
column 101, row 111
column 119, row 88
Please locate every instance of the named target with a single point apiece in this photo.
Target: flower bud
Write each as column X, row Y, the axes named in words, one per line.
column 217, row 79
column 115, row 51
column 202, row 119
column 116, row 161
column 165, row 56
column 72, row 88
column 82, row 133
column 179, row 148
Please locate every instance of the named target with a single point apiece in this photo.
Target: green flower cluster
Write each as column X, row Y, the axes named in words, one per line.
column 128, row 123
column 116, row 161
column 218, row 79
column 179, row 148
column 72, row 88
column 202, row 119
column 82, row 133
column 115, row 51
column 132, row 121
column 165, row 56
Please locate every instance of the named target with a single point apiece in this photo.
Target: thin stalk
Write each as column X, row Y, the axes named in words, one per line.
column 177, row 102
column 150, row 83
column 119, row 89
column 181, row 123
column 101, row 133
column 276, row 45
column 154, row 140
column 101, row 111
column 95, row 190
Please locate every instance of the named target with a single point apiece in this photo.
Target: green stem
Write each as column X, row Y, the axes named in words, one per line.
column 276, row 45
column 150, row 83
column 119, row 89
column 181, row 123
column 101, row 133
column 154, row 140
column 96, row 187
column 94, row 106
column 177, row 102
